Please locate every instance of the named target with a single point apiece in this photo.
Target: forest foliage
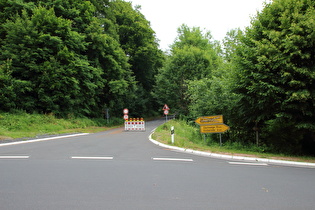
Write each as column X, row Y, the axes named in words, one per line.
column 260, row 79
column 76, row 57
column 81, row 57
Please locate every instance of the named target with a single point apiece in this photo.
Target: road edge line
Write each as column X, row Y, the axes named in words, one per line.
column 230, row 157
column 42, row 139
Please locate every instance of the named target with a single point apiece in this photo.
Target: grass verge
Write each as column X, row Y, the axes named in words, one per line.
column 189, row 137
column 23, row 125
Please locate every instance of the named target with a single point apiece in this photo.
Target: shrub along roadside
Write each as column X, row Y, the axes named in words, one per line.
column 22, row 125
column 188, row 136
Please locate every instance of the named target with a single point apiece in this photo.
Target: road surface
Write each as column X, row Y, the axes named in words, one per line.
column 124, row 170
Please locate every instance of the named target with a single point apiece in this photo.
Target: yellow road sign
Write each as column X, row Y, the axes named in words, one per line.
column 217, row 128
column 209, row 120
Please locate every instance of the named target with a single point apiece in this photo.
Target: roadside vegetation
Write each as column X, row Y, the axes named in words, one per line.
column 188, row 136
column 261, row 79
column 23, row 125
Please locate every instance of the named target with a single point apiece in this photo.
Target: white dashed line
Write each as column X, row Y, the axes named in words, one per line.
column 93, row 158
column 14, row 157
column 173, row 159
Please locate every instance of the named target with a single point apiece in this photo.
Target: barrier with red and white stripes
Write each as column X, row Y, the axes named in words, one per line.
column 135, row 124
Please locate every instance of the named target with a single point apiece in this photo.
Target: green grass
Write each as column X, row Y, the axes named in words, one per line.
column 184, row 134
column 189, row 137
column 23, row 125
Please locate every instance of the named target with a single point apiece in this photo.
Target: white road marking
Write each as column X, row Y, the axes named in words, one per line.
column 93, row 158
column 252, row 164
column 174, row 159
column 14, row 157
column 44, row 139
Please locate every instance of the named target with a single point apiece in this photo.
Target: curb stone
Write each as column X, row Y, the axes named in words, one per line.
column 232, row 157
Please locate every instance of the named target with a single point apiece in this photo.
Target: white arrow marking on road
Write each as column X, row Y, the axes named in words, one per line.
column 93, row 158
column 174, row 159
column 252, row 164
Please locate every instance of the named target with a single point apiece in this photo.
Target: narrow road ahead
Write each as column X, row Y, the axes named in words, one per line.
column 124, row 170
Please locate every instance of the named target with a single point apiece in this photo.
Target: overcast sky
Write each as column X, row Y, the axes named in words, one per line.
column 216, row 16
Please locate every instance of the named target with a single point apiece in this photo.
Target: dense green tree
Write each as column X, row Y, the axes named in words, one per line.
column 43, row 49
column 95, row 19
column 141, row 46
column 194, row 36
column 230, row 43
column 67, row 55
column 10, row 87
column 193, row 57
column 213, row 95
column 276, row 75
column 104, row 52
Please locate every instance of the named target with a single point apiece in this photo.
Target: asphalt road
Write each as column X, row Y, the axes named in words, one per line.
column 124, row 170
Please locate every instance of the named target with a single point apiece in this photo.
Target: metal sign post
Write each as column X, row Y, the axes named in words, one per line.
column 212, row 124
column 125, row 112
column 166, row 108
column 215, row 128
column 166, row 113
column 210, row 120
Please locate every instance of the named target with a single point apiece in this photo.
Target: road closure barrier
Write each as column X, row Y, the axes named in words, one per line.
column 135, row 124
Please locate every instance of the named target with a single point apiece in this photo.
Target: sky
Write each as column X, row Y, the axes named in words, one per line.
column 216, row 16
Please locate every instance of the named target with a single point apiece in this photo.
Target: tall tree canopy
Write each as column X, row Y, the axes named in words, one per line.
column 193, row 57
column 69, row 57
column 141, row 47
column 276, row 62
